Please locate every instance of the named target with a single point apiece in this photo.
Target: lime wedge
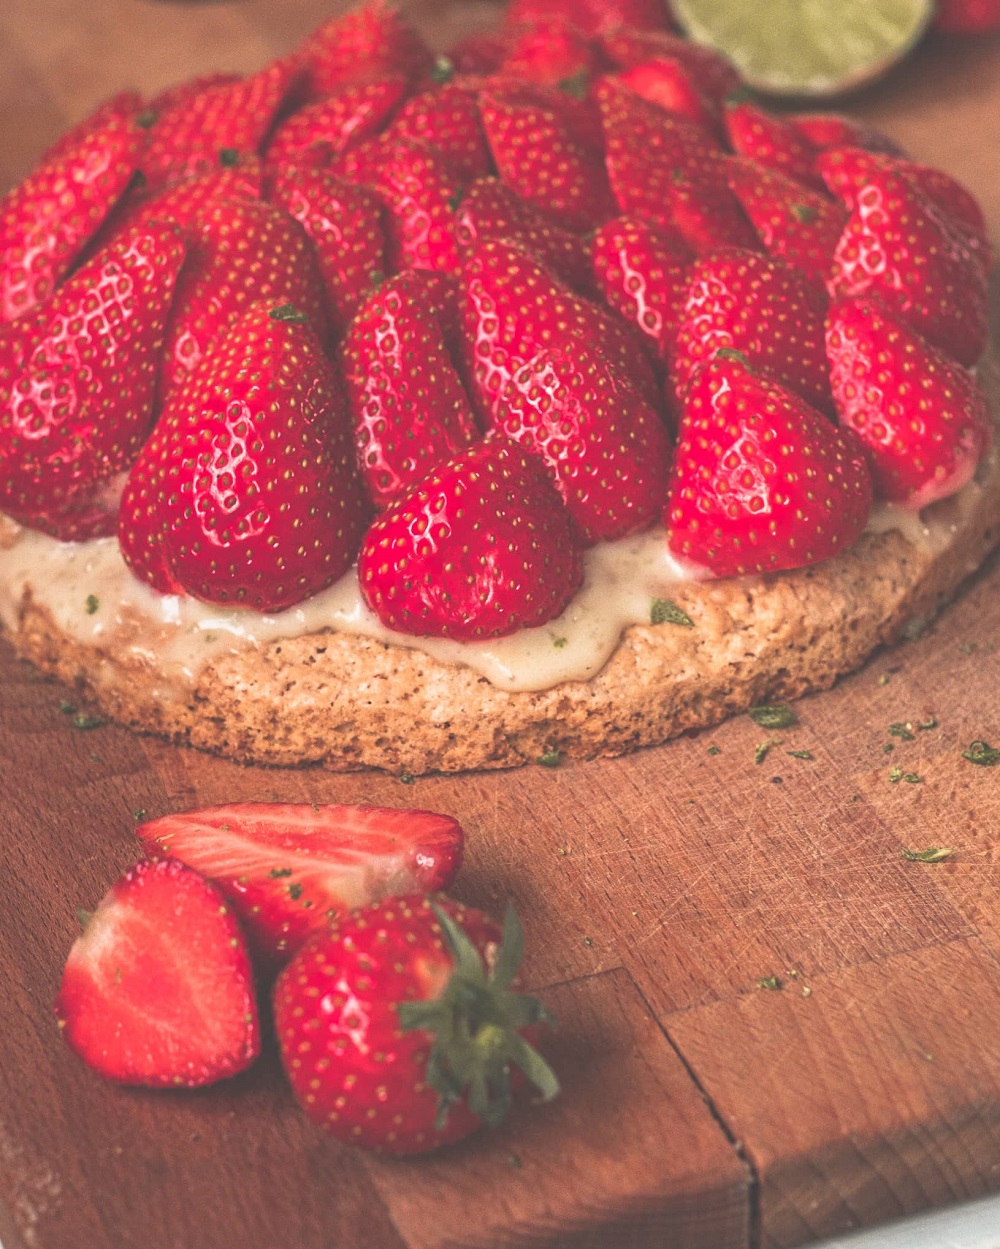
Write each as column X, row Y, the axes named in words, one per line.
column 806, row 47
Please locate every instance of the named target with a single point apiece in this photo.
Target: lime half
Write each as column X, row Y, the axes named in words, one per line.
column 807, row 47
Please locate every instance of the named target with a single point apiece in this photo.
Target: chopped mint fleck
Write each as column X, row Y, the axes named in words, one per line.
column 66, row 707
column 982, row 753
column 93, row 602
column 888, row 748
column 933, row 854
column 559, row 643
column 903, row 731
column 760, row 754
column 800, row 754
column 405, row 778
column 895, row 775
column 714, row 750
column 770, row 982
column 776, row 717
column 139, row 814
column 551, row 759
column 663, row 611
column 928, row 724
column 82, row 721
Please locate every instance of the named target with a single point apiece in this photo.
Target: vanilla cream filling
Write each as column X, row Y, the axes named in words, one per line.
column 93, row 597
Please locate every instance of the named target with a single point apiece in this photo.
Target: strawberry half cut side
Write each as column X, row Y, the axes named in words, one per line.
column 413, row 1006
column 158, row 990
column 289, row 868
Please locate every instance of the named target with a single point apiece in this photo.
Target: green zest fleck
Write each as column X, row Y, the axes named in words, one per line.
column 800, row 754
column 295, row 891
column 928, row 724
column 933, row 854
column 982, row 753
column 405, row 778
column 760, row 754
column 895, row 775
column 662, row 611
column 769, row 982
column 287, row 312
column 884, row 679
column 66, row 707
column 93, row 602
column 714, row 750
column 82, row 721
column 559, row 643
column 904, row 731
column 551, row 759
column 778, row 717
column 139, row 814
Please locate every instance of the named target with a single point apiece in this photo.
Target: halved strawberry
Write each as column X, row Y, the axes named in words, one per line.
column 346, row 228
column 760, row 482
column 667, row 83
column 481, row 548
column 321, row 131
column 188, row 136
column 899, row 246
column 446, row 118
column 770, row 140
column 644, row 276
column 669, row 173
column 513, row 308
column 538, row 157
column 246, row 493
column 753, row 304
column 551, row 50
column 158, row 990
column 373, row 40
column 409, row 407
column 603, row 445
column 923, row 419
column 794, row 223
column 491, row 210
column 287, row 869
column 46, row 221
column 78, row 382
column 848, row 171
column 240, row 251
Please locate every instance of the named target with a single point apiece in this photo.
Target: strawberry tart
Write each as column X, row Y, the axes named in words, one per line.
column 546, row 399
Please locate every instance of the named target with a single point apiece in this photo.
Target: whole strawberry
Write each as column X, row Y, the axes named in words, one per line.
column 400, row 1029
column 923, row 419
column 246, row 493
column 78, row 383
column 760, row 482
column 480, row 548
column 967, row 17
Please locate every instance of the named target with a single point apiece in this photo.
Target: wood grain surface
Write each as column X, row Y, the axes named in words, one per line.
column 700, row 1111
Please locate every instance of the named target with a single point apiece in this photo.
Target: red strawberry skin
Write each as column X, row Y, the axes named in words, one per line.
column 922, row 418
column 240, row 252
column 46, row 221
column 760, row 481
column 481, row 548
column 350, row 1066
column 158, row 990
column 321, row 131
column 967, row 17
column 447, row 120
column 78, row 384
column 770, row 140
column 345, row 226
column 605, row 448
column 408, row 405
column 246, row 493
column 773, row 314
column 897, row 245
column 287, row 869
column 373, row 40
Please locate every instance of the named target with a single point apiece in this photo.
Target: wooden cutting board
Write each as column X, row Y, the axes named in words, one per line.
column 701, row 1110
